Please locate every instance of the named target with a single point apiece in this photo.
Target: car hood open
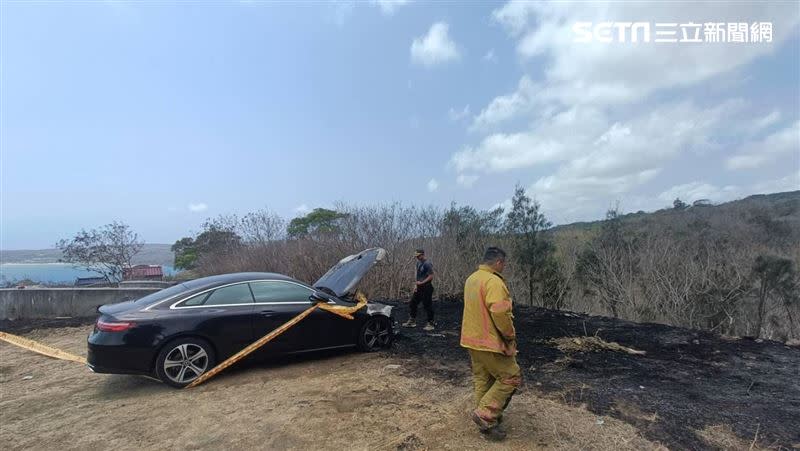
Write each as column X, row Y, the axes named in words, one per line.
column 343, row 277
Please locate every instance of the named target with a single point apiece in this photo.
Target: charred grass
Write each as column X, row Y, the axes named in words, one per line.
column 686, row 389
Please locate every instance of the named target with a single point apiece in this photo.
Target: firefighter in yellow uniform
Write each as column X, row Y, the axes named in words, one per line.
column 487, row 331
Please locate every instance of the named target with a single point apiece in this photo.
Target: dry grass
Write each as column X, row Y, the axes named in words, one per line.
column 559, row 427
column 533, row 423
column 590, row 344
column 722, row 437
column 632, row 411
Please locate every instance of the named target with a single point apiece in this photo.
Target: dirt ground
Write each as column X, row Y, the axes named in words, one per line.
column 417, row 395
column 333, row 401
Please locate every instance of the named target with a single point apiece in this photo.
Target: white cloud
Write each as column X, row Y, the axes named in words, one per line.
column 660, row 136
column 467, row 180
column 503, row 152
column 388, row 7
column 782, row 143
column 435, row 47
column 515, row 15
column 790, row 182
column 302, row 209
column 433, row 185
column 490, row 57
column 507, row 106
column 198, row 207
column 765, row 122
column 608, row 73
column 457, row 115
column 566, row 200
column 591, row 125
column 553, row 140
column 597, row 158
column 505, row 205
column 571, row 189
column 690, row 192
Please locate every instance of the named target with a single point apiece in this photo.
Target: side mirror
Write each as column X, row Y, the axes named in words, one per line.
column 315, row 297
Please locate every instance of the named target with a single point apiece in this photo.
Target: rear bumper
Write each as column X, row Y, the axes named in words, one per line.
column 105, row 370
column 118, row 358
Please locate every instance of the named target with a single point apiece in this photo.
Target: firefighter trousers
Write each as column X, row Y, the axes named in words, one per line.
column 496, row 377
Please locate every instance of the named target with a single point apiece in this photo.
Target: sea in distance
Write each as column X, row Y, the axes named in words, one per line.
column 51, row 273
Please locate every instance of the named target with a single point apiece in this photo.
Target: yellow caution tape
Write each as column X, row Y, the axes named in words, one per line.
column 40, row 348
column 344, row 312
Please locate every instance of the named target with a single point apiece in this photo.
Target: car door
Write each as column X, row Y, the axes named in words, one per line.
column 223, row 315
column 278, row 301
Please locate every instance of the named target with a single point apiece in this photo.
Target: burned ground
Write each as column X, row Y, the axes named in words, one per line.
column 687, row 380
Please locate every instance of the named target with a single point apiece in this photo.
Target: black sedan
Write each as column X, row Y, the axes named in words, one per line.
column 181, row 332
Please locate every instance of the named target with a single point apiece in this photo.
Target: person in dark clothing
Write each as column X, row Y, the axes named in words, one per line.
column 423, row 291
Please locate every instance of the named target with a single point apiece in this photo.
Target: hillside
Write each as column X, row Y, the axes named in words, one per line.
column 785, row 206
column 152, row 254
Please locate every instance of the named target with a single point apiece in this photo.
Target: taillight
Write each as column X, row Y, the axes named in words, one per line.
column 114, row 326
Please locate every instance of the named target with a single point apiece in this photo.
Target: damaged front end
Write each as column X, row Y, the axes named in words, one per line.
column 345, row 275
column 377, row 308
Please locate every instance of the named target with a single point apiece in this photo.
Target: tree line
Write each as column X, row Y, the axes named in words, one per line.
column 730, row 268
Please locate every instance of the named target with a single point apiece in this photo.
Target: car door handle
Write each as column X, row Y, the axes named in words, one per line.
column 267, row 313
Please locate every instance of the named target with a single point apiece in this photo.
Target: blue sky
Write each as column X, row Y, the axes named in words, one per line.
column 161, row 114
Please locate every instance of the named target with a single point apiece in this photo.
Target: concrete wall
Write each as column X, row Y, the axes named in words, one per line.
column 32, row 303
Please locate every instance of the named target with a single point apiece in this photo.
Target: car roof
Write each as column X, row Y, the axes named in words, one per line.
column 190, row 287
column 224, row 279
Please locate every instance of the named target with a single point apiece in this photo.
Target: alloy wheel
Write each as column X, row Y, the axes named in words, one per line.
column 185, row 363
column 376, row 334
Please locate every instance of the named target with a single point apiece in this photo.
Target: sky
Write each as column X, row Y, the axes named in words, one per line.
column 161, row 114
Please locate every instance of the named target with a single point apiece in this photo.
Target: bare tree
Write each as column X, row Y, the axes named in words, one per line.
column 777, row 283
column 107, row 250
column 609, row 265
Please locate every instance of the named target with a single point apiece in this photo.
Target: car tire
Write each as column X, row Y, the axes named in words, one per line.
column 183, row 360
column 375, row 334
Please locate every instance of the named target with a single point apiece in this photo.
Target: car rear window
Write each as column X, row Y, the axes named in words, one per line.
column 194, row 300
column 163, row 294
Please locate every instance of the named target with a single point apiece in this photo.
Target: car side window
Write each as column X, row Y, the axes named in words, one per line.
column 194, row 300
column 280, row 292
column 233, row 294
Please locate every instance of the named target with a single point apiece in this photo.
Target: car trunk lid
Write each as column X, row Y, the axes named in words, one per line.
column 343, row 277
column 117, row 308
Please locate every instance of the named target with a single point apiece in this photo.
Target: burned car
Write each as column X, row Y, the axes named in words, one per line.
column 179, row 333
